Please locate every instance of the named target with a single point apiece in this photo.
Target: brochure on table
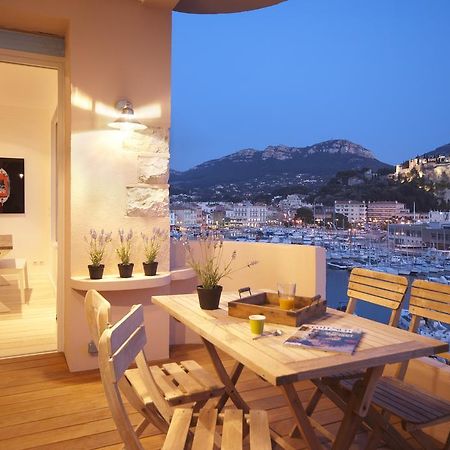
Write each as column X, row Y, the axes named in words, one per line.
column 331, row 339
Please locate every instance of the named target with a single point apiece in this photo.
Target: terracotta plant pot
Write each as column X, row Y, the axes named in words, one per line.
column 150, row 268
column 125, row 270
column 209, row 298
column 96, row 272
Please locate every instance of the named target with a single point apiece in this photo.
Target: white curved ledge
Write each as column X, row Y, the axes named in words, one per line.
column 137, row 281
column 182, row 274
column 115, row 283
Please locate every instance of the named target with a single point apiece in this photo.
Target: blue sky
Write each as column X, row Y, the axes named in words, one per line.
column 376, row 72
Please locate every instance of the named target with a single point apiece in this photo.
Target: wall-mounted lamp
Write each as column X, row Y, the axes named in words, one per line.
column 126, row 121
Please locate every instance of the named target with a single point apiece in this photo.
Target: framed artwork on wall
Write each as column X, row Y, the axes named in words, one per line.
column 12, row 185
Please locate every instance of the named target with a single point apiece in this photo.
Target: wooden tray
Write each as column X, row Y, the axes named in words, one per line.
column 266, row 303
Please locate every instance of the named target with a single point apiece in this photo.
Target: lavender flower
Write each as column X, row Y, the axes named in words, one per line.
column 124, row 249
column 97, row 243
column 152, row 244
column 209, row 264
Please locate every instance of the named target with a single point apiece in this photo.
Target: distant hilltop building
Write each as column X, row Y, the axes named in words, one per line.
column 431, row 167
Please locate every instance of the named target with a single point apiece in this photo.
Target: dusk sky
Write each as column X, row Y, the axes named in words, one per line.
column 376, row 72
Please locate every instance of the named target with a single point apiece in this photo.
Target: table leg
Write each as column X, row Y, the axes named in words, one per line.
column 234, row 377
column 303, row 423
column 357, row 408
column 228, row 382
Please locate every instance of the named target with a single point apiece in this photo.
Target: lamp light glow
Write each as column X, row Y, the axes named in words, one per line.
column 126, row 121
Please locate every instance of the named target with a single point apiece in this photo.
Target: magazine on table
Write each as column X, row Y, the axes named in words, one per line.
column 331, row 339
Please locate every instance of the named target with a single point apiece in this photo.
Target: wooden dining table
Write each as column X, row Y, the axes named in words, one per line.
column 282, row 365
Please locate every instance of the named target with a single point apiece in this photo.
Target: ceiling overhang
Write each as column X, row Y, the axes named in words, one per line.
column 222, row 6
column 211, row 6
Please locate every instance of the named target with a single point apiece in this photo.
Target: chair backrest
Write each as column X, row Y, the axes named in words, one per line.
column 429, row 300
column 121, row 345
column 98, row 314
column 379, row 288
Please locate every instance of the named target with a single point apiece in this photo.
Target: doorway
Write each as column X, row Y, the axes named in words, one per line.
column 30, row 135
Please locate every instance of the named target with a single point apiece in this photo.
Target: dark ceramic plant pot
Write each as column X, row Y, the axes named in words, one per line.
column 150, row 268
column 96, row 272
column 209, row 298
column 125, row 270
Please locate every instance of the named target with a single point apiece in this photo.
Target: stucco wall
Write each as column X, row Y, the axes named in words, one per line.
column 114, row 49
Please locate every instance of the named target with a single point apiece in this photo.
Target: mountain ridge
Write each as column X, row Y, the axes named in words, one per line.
column 442, row 150
column 277, row 166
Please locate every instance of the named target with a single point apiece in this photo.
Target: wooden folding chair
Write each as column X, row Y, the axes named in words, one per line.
column 120, row 346
column 156, row 390
column 415, row 407
column 379, row 288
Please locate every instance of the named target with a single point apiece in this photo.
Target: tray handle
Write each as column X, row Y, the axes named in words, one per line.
column 244, row 289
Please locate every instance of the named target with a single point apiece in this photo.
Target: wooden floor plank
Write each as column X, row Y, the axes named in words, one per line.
column 28, row 326
column 50, row 408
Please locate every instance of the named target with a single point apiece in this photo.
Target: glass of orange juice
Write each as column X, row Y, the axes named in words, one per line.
column 286, row 295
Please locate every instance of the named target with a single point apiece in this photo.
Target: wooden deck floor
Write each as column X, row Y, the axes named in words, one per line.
column 44, row 406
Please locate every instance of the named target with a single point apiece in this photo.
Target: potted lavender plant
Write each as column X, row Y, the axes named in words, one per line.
column 124, row 253
column 210, row 266
column 152, row 246
column 97, row 243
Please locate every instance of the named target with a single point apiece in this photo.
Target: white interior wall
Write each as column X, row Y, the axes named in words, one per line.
column 27, row 102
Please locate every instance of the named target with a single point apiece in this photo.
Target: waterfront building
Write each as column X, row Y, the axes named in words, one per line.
column 247, row 214
column 356, row 212
column 420, row 235
column 386, row 210
column 439, row 216
column 187, row 215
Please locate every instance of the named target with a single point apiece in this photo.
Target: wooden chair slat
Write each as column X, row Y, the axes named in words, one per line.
column 373, row 299
column 232, row 430
column 380, row 284
column 259, row 431
column 205, row 430
column 201, row 375
column 164, row 382
column 413, row 405
column 428, row 313
column 125, row 326
column 178, row 430
column 432, row 300
column 397, row 279
column 127, row 353
column 379, row 292
column 186, row 382
column 431, row 286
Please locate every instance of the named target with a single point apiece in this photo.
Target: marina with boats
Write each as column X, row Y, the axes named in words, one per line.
column 347, row 249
